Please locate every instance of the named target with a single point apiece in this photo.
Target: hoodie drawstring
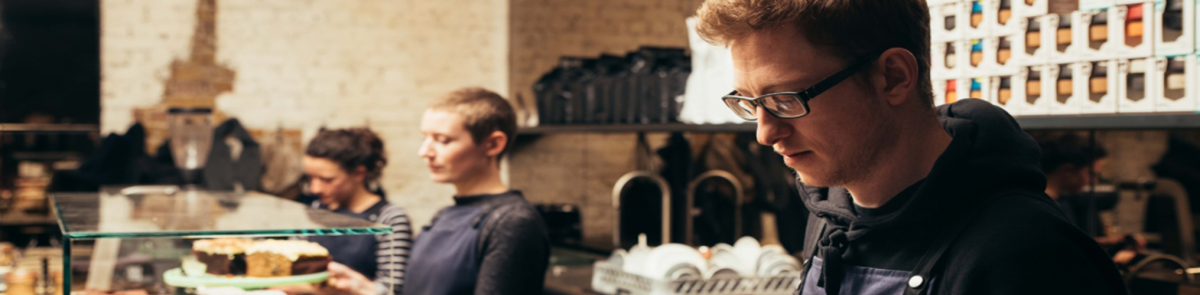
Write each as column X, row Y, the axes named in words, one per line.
column 832, row 246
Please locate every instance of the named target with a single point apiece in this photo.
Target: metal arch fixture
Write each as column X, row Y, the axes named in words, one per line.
column 689, row 222
column 1183, row 215
column 1136, row 268
column 619, row 189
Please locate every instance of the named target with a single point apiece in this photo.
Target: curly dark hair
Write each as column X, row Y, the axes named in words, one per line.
column 350, row 148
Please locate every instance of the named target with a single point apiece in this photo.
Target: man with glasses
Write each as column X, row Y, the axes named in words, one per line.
column 905, row 198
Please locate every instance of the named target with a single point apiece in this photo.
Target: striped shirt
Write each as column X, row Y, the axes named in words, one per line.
column 392, row 254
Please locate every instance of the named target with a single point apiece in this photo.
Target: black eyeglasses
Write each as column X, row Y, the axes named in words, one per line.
column 791, row 105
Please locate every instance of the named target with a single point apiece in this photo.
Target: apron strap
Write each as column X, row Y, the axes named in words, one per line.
column 812, row 253
column 920, row 279
column 375, row 210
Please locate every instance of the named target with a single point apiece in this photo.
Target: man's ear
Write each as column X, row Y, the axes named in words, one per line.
column 495, row 143
column 896, row 75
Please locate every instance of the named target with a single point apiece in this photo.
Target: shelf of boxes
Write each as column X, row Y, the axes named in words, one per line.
column 1047, row 57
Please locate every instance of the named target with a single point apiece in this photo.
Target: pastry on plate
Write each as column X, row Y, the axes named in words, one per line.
column 281, row 258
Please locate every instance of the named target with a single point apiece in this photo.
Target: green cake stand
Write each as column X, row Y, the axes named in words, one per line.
column 175, row 277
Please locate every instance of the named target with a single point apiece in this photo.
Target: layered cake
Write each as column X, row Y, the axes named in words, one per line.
column 280, row 258
column 224, row 256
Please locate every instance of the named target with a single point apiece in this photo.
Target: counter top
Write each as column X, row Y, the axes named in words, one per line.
column 570, row 272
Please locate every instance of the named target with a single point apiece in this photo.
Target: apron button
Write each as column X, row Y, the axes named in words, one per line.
column 916, row 281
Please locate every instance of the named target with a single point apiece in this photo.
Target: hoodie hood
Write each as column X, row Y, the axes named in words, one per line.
column 989, row 151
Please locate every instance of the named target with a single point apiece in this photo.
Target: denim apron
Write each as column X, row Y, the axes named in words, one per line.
column 445, row 257
column 355, row 251
column 874, row 281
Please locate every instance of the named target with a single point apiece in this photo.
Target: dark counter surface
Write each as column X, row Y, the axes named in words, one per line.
column 570, row 272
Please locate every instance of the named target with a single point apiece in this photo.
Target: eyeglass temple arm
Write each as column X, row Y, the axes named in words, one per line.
column 838, row 77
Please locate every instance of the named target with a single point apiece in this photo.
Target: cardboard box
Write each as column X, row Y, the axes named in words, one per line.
column 946, row 21
column 1064, row 48
column 979, row 23
column 1135, row 85
column 1174, row 27
column 1035, row 87
column 1033, row 44
column 1134, row 35
column 1098, row 80
column 1094, row 35
column 1001, row 92
column 1003, row 17
column 1175, row 78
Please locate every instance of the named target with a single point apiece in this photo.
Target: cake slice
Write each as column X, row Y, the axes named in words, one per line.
column 223, row 256
column 280, row 258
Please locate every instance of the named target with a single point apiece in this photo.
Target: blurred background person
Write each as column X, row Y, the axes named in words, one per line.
column 1071, row 167
column 342, row 169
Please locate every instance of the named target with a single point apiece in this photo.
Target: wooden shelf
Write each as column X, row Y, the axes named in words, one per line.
column 22, row 219
column 49, row 128
column 1118, row 121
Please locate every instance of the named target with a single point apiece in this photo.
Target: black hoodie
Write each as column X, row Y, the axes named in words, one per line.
column 1015, row 239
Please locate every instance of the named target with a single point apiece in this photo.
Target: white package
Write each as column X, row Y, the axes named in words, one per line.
column 978, row 24
column 946, row 90
column 946, row 21
column 1175, row 77
column 1027, row 8
column 1093, row 33
column 1098, row 79
column 976, row 87
column 1001, row 92
column 1130, row 41
column 979, row 60
column 1063, row 46
column 1001, row 55
column 1033, row 29
column 1002, row 17
column 1174, row 27
column 1066, row 96
column 948, row 58
column 1086, row 5
column 1035, row 87
column 1135, row 85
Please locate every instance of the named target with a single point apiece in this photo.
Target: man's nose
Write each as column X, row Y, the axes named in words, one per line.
column 771, row 129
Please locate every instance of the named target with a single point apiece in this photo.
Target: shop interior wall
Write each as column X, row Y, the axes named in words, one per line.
column 581, row 169
column 303, row 64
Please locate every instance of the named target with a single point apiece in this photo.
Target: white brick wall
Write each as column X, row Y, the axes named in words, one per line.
column 311, row 63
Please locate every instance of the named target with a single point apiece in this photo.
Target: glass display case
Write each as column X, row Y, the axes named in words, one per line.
column 135, row 238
